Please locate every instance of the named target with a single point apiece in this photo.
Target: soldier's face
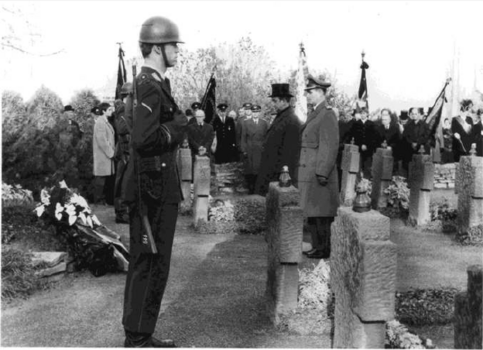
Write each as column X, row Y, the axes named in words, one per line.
column 256, row 115
column 222, row 113
column 171, row 50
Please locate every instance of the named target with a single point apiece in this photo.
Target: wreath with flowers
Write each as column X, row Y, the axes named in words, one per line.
column 92, row 245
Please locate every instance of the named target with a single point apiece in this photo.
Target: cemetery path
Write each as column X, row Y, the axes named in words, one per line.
column 214, row 298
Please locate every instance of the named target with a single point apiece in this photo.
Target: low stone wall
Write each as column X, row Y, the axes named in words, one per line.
column 444, row 175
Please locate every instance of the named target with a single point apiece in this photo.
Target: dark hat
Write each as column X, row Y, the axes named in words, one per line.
column 256, row 108
column 404, row 115
column 281, row 90
column 247, row 105
column 96, row 110
column 68, row 108
column 313, row 83
column 222, row 107
column 196, row 105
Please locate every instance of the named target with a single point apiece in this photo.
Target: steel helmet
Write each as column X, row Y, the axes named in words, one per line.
column 159, row 30
column 126, row 89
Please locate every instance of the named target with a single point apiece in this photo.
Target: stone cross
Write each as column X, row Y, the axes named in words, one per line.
column 468, row 312
column 470, row 197
column 350, row 168
column 186, row 173
column 363, row 278
column 420, row 182
column 201, row 189
column 284, row 238
column 382, row 165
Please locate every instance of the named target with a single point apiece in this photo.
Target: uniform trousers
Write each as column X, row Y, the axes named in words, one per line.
column 319, row 228
column 148, row 273
column 119, row 205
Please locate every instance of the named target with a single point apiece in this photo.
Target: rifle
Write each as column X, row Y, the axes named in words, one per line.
column 147, row 237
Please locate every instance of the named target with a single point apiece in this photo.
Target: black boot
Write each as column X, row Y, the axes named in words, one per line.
column 146, row 340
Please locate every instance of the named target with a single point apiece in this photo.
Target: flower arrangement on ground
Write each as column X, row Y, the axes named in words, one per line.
column 92, row 245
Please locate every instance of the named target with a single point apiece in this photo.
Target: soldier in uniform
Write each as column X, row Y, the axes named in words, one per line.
column 225, row 136
column 253, row 135
column 158, row 130
column 194, row 107
column 317, row 179
column 282, row 143
column 123, row 130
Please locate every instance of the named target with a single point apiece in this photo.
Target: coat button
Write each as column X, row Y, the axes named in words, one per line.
column 163, row 165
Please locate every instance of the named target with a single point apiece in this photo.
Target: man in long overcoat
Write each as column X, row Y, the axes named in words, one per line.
column 282, row 143
column 317, row 176
column 200, row 135
column 224, row 127
column 253, row 136
column 103, row 146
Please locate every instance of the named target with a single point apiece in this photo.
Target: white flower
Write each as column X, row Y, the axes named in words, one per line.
column 83, row 218
column 70, row 210
column 40, row 210
column 89, row 221
column 58, row 211
column 95, row 220
column 63, row 184
column 45, row 197
column 80, row 201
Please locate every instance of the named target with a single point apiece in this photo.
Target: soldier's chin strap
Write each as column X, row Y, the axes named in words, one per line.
column 165, row 58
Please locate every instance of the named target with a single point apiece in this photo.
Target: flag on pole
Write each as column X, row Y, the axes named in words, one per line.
column 363, row 93
column 121, row 73
column 301, row 78
column 208, row 103
column 434, row 118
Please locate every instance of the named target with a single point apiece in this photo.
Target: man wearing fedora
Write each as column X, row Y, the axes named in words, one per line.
column 282, row 143
column 317, row 175
column 253, row 135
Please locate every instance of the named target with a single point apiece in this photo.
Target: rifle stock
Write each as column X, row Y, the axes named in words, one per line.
column 147, row 237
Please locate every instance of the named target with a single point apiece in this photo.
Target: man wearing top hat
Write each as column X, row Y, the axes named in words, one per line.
column 282, row 143
column 317, row 175
column 224, row 127
column 254, row 131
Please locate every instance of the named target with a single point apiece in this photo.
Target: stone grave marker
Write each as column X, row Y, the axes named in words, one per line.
column 201, row 188
column 363, row 278
column 421, row 182
column 284, row 238
column 468, row 312
column 186, row 173
column 470, row 197
column 382, row 165
column 350, row 168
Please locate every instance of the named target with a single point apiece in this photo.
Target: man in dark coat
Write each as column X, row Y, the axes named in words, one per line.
column 158, row 129
column 389, row 132
column 416, row 134
column 200, row 136
column 282, row 142
column 365, row 136
column 317, row 175
column 253, row 136
column 194, row 107
column 462, row 129
column 224, row 127
column 242, row 116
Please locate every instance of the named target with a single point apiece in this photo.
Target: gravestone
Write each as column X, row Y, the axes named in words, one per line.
column 468, row 312
column 420, row 182
column 186, row 173
column 470, row 198
column 350, row 168
column 382, row 165
column 284, row 238
column 201, row 189
column 363, row 278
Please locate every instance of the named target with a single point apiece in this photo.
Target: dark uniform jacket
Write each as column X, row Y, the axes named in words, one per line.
column 478, row 138
column 364, row 133
column 281, row 147
column 200, row 136
column 253, row 136
column 155, row 138
column 226, row 150
column 123, row 131
column 414, row 133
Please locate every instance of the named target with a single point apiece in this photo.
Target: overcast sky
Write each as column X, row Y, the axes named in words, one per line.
column 409, row 45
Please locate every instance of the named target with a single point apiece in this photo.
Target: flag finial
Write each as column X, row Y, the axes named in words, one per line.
column 302, row 48
column 363, row 54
